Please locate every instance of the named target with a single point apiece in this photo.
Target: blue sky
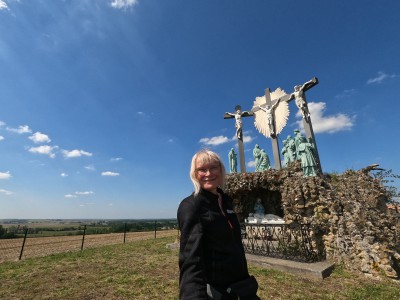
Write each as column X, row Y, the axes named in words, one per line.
column 104, row 102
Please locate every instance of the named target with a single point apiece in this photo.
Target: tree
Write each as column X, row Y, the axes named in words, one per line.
column 388, row 178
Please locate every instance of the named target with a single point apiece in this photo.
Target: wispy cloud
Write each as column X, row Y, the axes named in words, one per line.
column 75, row 153
column 39, row 137
column 214, row 141
column 45, row 149
column 84, row 193
column 380, row 78
column 20, row 130
column 70, row 196
column 64, row 175
column 113, row 159
column 90, row 168
column 251, row 164
column 246, row 138
column 1, row 137
column 330, row 124
column 346, row 93
column 109, row 173
column 6, row 192
column 123, row 4
column 5, row 175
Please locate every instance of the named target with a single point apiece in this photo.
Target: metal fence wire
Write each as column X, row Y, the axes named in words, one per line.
column 32, row 246
column 284, row 241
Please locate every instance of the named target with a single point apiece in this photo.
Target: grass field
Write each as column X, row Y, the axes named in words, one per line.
column 146, row 269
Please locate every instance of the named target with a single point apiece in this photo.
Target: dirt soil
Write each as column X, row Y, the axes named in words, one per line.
column 10, row 249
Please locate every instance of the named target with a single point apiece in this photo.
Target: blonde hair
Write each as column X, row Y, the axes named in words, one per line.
column 205, row 156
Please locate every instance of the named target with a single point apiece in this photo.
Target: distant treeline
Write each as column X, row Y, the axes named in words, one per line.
column 95, row 227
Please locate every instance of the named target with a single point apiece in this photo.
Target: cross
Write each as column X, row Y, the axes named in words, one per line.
column 300, row 99
column 274, row 140
column 239, row 133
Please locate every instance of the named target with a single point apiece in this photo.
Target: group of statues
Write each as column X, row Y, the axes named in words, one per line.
column 261, row 160
column 294, row 149
column 270, row 114
column 301, row 149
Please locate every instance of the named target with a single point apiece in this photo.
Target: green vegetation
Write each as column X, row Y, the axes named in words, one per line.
column 148, row 270
column 388, row 178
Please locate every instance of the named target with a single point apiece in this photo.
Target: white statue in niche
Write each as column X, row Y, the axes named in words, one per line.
column 259, row 216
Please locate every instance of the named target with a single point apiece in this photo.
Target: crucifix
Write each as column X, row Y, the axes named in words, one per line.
column 239, row 133
column 301, row 102
column 269, row 108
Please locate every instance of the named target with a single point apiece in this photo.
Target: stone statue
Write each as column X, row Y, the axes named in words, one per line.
column 238, row 119
column 264, row 161
column 307, row 159
column 298, row 137
column 285, row 152
column 291, row 149
column 259, row 210
column 269, row 110
column 232, row 161
column 300, row 98
column 257, row 157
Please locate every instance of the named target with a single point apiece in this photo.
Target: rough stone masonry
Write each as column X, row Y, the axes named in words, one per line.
column 348, row 214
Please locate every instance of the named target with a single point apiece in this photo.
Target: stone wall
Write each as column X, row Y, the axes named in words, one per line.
column 347, row 212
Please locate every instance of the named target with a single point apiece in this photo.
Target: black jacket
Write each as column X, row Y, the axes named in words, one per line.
column 211, row 250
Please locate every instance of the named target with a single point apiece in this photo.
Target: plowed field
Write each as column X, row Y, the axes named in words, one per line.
column 10, row 250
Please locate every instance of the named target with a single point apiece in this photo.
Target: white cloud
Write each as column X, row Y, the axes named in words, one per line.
column 75, row 153
column 21, row 129
column 64, row 175
column 246, row 139
column 3, row 5
column 39, row 137
column 86, row 204
column 123, row 4
column 1, row 137
column 116, row 159
column 214, row 141
column 84, row 193
column 6, row 192
column 69, row 196
column 108, row 173
column 330, row 124
column 1, row 122
column 380, row 78
column 251, row 164
column 5, row 175
column 47, row 150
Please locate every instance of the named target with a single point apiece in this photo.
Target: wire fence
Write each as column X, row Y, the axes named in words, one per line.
column 30, row 245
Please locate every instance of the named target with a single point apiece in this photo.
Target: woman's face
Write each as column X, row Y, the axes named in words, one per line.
column 209, row 175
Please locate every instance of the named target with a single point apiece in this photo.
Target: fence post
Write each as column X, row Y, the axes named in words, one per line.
column 124, row 233
column 23, row 244
column 83, row 237
column 155, row 229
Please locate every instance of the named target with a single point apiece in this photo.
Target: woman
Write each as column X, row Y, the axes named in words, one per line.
column 212, row 262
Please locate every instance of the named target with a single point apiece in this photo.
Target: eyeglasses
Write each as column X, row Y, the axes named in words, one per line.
column 212, row 170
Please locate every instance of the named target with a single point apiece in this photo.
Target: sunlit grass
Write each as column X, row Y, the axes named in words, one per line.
column 148, row 270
